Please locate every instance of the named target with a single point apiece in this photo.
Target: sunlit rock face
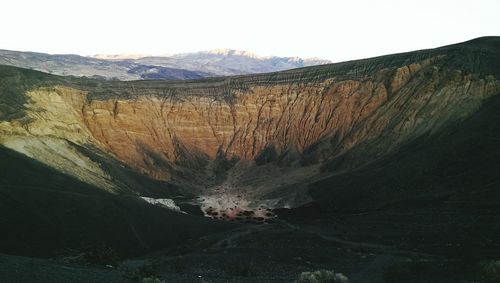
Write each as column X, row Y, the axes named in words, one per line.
column 280, row 118
column 263, row 136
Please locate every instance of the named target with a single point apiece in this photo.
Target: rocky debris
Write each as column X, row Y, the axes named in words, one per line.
column 240, row 215
column 165, row 202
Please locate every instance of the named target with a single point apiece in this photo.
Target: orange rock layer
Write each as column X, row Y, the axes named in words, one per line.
column 357, row 110
column 151, row 131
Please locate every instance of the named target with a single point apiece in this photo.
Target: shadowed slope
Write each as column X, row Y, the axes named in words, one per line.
column 439, row 194
column 46, row 213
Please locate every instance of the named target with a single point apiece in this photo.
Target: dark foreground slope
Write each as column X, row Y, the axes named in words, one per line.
column 46, row 213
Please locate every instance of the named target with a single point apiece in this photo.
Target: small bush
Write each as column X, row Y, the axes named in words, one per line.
column 152, row 280
column 242, row 269
column 322, row 276
column 146, row 272
column 101, row 254
column 490, row 271
column 177, row 265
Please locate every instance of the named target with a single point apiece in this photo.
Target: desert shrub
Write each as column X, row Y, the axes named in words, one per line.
column 178, row 265
column 101, row 254
column 242, row 269
column 148, row 271
column 490, row 271
column 152, row 280
column 322, row 276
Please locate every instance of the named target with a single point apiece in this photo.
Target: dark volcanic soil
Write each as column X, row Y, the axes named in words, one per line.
column 275, row 252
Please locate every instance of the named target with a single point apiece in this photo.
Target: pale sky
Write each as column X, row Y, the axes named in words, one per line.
column 335, row 30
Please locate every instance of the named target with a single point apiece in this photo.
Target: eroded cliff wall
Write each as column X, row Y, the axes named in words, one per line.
column 175, row 131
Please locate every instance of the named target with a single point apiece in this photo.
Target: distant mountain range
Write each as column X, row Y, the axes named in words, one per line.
column 227, row 62
column 222, row 62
